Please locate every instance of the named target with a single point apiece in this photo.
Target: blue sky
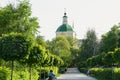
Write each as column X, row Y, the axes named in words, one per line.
column 99, row 15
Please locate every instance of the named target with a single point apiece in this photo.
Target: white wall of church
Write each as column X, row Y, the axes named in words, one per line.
column 64, row 34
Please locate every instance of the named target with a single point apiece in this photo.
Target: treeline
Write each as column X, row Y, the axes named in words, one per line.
column 100, row 52
column 23, row 53
column 101, row 56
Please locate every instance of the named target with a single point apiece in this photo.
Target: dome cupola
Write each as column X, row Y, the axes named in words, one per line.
column 65, row 28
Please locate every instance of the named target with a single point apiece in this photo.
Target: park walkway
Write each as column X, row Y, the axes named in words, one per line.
column 74, row 74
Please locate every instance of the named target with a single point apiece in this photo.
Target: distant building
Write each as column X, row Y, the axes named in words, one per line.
column 65, row 29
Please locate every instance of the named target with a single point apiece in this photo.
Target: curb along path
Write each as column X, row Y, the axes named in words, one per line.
column 74, row 74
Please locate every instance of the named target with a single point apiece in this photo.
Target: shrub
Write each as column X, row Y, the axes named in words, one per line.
column 83, row 70
column 24, row 74
column 21, row 75
column 44, row 71
column 106, row 73
column 4, row 73
column 116, row 75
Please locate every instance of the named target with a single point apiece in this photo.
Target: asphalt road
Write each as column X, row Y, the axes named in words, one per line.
column 74, row 74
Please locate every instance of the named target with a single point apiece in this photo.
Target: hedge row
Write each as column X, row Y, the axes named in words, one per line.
column 105, row 59
column 18, row 74
column 4, row 73
column 106, row 73
column 44, row 71
column 23, row 74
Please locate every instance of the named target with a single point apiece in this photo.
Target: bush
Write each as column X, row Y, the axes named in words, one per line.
column 44, row 71
column 116, row 75
column 4, row 73
column 21, row 75
column 25, row 75
column 83, row 70
column 106, row 73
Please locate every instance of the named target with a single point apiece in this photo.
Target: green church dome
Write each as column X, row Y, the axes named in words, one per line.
column 64, row 28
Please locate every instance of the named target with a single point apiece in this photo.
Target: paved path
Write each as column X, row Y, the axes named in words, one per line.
column 74, row 74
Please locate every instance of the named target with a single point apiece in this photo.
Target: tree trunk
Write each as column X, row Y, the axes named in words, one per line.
column 30, row 73
column 40, row 73
column 12, row 68
column 44, row 72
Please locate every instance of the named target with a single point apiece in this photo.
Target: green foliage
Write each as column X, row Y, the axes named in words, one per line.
column 73, row 42
column 82, row 64
column 14, row 46
column 104, row 59
column 74, row 56
column 47, row 60
column 95, row 61
column 57, row 61
column 18, row 19
column 109, row 40
column 106, row 73
column 116, row 74
column 20, row 45
column 88, row 46
column 23, row 74
column 117, row 55
column 4, row 73
column 108, row 58
column 36, row 56
column 44, row 71
column 40, row 41
column 35, row 74
column 60, row 47
column 83, row 70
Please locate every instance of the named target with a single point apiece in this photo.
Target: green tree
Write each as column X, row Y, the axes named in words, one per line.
column 36, row 57
column 73, row 42
column 57, row 61
column 74, row 56
column 59, row 44
column 117, row 55
column 14, row 46
column 88, row 46
column 109, row 40
column 18, row 19
column 40, row 41
column 108, row 58
column 61, row 47
column 96, row 60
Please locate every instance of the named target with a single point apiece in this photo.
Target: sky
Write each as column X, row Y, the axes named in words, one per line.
column 99, row 15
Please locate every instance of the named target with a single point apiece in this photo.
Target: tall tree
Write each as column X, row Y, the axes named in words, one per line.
column 110, row 40
column 88, row 46
column 61, row 47
column 18, row 19
column 36, row 57
column 13, row 47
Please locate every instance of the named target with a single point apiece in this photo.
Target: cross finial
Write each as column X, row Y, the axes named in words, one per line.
column 64, row 11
